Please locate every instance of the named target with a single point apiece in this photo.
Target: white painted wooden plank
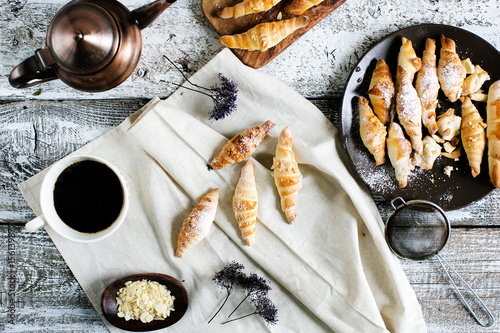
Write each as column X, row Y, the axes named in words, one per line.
column 47, row 295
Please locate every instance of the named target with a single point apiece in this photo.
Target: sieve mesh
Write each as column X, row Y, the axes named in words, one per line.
column 417, row 230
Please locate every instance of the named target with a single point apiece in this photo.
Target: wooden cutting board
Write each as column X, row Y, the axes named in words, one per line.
column 257, row 59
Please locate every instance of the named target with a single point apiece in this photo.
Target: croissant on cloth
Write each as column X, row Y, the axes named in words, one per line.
column 247, row 7
column 372, row 131
column 407, row 59
column 245, row 203
column 381, row 91
column 197, row 223
column 409, row 109
column 473, row 135
column 451, row 72
column 399, row 151
column 264, row 35
column 427, row 86
column 298, row 7
column 493, row 132
column 286, row 174
column 241, row 146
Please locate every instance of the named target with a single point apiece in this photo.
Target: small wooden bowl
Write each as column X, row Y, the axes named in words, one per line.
column 110, row 308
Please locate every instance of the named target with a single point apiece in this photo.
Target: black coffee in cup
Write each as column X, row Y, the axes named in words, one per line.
column 88, row 196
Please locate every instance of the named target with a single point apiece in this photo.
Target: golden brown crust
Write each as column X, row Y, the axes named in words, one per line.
column 245, row 203
column 409, row 109
column 451, row 72
column 241, row 146
column 264, row 35
column 473, row 135
column 372, row 131
column 399, row 151
column 427, row 86
column 287, row 176
column 298, row 7
column 247, row 7
column 407, row 59
column 474, row 82
column 197, row 223
column 493, row 132
column 381, row 91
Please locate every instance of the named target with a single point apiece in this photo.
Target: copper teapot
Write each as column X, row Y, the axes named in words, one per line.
column 92, row 45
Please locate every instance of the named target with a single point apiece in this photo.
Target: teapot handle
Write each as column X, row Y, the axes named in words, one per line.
column 147, row 14
column 31, row 72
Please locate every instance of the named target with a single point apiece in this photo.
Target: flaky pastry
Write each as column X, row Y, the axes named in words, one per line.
column 197, row 223
column 286, row 174
column 241, row 146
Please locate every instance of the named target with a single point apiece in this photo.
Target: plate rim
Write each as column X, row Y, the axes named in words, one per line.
column 349, row 92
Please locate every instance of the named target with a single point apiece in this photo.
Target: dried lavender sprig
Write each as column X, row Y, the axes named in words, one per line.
column 264, row 307
column 223, row 96
column 252, row 284
column 226, row 279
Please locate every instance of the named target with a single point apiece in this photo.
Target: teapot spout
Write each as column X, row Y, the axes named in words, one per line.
column 147, row 14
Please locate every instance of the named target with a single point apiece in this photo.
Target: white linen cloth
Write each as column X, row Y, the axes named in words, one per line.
column 330, row 271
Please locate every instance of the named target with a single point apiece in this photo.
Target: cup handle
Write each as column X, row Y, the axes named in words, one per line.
column 35, row 224
column 31, row 71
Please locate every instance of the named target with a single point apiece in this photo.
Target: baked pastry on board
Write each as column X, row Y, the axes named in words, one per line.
column 298, row 7
column 264, row 35
column 257, row 59
column 247, row 7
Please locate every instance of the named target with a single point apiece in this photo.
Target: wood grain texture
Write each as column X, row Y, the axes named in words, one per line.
column 318, row 64
column 35, row 134
column 39, row 125
column 257, row 59
column 47, row 295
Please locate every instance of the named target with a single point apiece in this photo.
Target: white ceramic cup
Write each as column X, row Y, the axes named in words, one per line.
column 49, row 215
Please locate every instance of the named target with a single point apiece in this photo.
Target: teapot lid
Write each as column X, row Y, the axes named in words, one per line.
column 83, row 37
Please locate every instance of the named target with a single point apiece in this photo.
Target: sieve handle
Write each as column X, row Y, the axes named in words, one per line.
column 492, row 319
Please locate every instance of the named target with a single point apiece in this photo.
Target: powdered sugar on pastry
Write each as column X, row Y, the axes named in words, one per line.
column 381, row 91
column 427, row 86
column 241, row 146
column 451, row 72
column 197, row 223
column 399, row 151
column 409, row 109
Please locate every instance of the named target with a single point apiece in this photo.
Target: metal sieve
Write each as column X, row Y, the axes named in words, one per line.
column 418, row 230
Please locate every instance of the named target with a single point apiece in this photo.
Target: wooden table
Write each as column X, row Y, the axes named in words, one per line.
column 39, row 125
